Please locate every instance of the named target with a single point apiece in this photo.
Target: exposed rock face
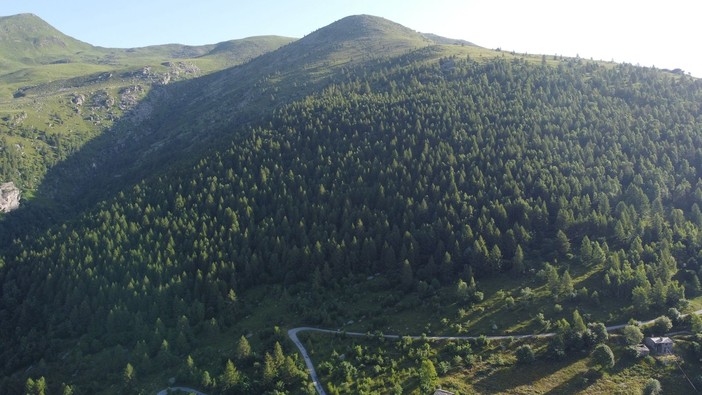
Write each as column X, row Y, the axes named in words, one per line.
column 9, row 197
column 78, row 99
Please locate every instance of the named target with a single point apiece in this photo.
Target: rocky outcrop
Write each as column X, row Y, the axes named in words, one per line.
column 9, row 197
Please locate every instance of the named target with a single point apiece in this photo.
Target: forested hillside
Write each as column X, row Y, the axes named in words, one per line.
column 429, row 174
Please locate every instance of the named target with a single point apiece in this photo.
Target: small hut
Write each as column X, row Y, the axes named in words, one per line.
column 443, row 392
column 659, row 345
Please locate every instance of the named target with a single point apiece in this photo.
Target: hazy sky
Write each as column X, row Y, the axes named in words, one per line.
column 650, row 33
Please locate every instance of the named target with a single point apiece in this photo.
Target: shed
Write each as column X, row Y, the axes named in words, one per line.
column 659, row 345
column 443, row 392
column 641, row 350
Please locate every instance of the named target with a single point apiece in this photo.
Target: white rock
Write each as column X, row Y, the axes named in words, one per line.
column 9, row 197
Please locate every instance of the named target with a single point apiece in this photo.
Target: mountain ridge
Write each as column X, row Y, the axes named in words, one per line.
column 28, row 39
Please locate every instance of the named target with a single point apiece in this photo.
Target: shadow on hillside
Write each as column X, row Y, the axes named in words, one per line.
column 506, row 379
column 137, row 145
column 577, row 383
column 170, row 129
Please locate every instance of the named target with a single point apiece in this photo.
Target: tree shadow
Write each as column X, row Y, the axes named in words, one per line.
column 577, row 383
column 506, row 379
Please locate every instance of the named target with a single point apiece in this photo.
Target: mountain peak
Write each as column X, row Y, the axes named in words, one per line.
column 366, row 27
column 29, row 39
column 20, row 17
column 354, row 38
column 24, row 24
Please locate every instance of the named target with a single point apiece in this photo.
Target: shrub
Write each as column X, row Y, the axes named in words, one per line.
column 603, row 356
column 662, row 325
column 652, row 387
column 525, row 354
column 632, row 334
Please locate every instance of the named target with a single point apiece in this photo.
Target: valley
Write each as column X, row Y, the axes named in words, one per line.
column 184, row 209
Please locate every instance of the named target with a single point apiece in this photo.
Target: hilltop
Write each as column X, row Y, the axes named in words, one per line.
column 27, row 39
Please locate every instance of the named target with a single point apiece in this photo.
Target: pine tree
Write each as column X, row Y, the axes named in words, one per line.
column 230, row 378
column 243, row 349
column 128, row 375
column 270, row 371
column 278, row 355
column 566, row 285
column 206, row 380
column 66, row 389
column 462, row 290
column 586, row 251
column 562, row 243
column 578, row 323
column 518, row 260
column 428, row 377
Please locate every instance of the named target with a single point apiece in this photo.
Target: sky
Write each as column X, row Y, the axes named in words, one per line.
column 645, row 32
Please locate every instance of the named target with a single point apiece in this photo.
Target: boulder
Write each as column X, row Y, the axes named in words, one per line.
column 9, row 197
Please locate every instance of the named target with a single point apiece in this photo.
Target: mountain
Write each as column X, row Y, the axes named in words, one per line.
column 27, row 39
column 365, row 178
column 359, row 36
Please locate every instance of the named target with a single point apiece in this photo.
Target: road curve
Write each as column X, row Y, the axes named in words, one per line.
column 292, row 333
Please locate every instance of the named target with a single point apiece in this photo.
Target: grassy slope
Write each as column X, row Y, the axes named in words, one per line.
column 495, row 370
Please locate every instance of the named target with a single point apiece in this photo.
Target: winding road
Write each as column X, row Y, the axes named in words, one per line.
column 292, row 333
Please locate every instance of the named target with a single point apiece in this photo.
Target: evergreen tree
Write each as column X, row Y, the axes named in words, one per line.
column 428, row 378
column 518, row 260
column 128, row 376
column 585, row 251
column 243, row 349
column 566, row 285
column 230, row 378
column 562, row 243
column 270, row 371
column 578, row 323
